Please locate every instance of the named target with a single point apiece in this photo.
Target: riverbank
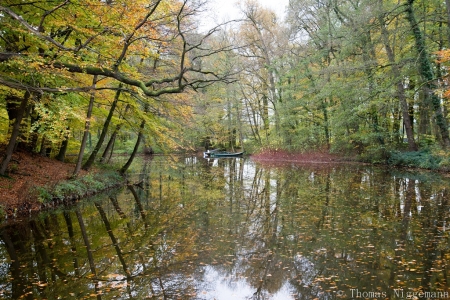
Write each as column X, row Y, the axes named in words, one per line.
column 280, row 157
column 418, row 160
column 35, row 181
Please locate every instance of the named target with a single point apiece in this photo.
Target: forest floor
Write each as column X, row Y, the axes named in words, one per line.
column 27, row 171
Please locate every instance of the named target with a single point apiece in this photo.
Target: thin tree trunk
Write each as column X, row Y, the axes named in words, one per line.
column 239, row 124
column 86, row 130
column 63, row 149
column 15, row 133
column 325, row 124
column 426, row 71
column 42, row 150
column 112, row 149
column 135, row 150
column 265, row 116
column 252, row 121
column 88, row 164
column 230, row 126
column 109, row 146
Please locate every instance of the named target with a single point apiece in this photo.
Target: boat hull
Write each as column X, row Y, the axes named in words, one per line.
column 223, row 154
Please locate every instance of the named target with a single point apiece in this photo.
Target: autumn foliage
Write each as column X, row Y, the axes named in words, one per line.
column 125, row 69
column 444, row 60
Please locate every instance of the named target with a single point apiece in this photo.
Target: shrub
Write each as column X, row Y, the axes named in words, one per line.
column 91, row 183
column 420, row 159
column 68, row 188
column 43, row 195
column 444, row 156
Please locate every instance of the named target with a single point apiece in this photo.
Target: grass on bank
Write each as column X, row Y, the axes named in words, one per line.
column 78, row 187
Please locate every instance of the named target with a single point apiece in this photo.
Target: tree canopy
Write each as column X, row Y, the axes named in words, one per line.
column 56, row 55
column 366, row 78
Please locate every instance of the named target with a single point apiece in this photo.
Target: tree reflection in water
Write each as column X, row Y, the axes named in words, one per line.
column 233, row 229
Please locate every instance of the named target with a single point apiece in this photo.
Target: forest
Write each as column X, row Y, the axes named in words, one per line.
column 82, row 80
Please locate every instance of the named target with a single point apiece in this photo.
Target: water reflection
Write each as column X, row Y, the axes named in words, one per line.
column 190, row 228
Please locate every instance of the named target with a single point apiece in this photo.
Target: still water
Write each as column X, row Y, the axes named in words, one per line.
column 234, row 229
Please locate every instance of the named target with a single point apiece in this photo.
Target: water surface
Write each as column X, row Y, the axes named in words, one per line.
column 233, row 229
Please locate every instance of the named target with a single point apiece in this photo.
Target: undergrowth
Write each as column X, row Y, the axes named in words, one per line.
column 432, row 159
column 78, row 187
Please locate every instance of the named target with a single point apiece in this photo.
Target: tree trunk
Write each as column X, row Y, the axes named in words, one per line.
column 86, row 130
column 230, row 126
column 239, row 124
column 252, row 120
column 426, row 71
column 42, row 150
column 63, row 149
column 325, row 124
column 400, row 88
column 265, row 116
column 88, row 164
column 110, row 146
column 15, row 133
column 112, row 149
column 135, row 150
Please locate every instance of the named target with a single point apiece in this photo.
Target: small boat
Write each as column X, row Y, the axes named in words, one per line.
column 216, row 153
column 227, row 154
column 208, row 152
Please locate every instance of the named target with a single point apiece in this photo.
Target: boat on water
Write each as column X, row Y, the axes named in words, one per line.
column 217, row 153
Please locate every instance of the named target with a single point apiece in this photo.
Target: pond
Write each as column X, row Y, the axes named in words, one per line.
column 194, row 228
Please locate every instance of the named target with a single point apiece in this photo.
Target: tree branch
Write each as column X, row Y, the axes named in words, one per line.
column 35, row 31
